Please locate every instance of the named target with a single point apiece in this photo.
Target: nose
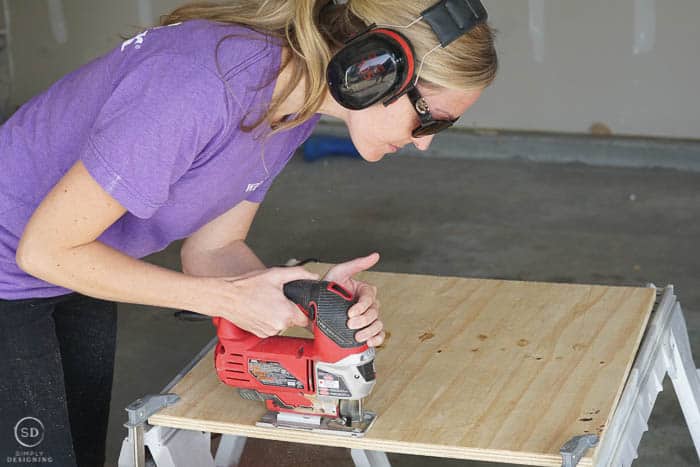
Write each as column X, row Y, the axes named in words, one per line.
column 422, row 143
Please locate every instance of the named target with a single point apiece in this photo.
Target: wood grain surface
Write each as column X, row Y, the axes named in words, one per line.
column 493, row 370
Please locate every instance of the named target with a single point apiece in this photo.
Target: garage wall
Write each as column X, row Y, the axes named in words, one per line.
column 627, row 67
column 630, row 65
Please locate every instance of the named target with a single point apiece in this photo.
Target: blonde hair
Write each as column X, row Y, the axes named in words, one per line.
column 315, row 29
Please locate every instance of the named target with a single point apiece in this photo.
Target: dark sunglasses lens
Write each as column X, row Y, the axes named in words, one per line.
column 431, row 127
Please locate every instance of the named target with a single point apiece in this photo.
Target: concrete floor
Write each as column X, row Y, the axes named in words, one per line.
column 493, row 219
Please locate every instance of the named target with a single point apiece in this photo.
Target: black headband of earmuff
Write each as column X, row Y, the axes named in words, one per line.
column 379, row 64
column 449, row 19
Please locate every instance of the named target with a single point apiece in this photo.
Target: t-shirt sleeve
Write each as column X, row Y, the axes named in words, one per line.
column 258, row 195
column 295, row 139
column 158, row 118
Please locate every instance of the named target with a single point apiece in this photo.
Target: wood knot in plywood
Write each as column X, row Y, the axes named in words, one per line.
column 427, row 335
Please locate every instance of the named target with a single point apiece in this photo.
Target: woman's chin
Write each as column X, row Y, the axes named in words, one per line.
column 372, row 154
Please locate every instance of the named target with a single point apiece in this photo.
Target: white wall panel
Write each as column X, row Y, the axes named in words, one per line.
column 628, row 66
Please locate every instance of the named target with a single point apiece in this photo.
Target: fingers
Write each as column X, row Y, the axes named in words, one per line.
column 367, row 296
column 284, row 275
column 260, row 333
column 343, row 271
column 255, row 301
column 369, row 316
column 377, row 340
column 288, row 274
column 370, row 332
column 280, row 274
column 298, row 318
column 366, row 310
column 274, row 327
column 292, row 316
column 364, row 315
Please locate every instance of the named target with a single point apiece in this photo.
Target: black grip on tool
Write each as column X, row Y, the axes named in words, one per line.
column 303, row 292
column 332, row 305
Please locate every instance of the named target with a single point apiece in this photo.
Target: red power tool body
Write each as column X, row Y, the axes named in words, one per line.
column 303, row 376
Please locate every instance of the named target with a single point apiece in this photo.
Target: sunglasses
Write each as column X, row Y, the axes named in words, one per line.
column 428, row 124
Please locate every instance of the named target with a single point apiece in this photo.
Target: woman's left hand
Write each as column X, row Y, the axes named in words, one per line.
column 364, row 314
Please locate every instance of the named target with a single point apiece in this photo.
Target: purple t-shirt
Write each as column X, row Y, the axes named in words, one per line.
column 157, row 124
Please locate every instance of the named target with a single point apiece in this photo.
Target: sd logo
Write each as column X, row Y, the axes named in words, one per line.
column 29, row 432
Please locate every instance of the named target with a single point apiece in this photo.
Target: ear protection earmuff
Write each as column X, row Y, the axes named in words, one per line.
column 379, row 64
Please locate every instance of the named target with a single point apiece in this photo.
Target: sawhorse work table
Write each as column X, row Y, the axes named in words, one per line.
column 517, row 372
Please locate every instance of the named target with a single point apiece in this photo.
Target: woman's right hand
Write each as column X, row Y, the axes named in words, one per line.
column 255, row 302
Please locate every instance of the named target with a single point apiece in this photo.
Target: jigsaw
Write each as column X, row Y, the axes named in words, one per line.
column 307, row 384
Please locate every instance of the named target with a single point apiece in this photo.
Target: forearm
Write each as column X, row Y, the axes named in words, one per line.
column 98, row 270
column 234, row 259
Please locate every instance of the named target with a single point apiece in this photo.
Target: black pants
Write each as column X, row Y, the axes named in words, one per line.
column 56, row 365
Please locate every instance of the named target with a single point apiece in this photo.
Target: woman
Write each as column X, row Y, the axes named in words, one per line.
column 178, row 133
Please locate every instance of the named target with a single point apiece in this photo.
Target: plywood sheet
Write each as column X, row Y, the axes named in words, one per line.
column 478, row 369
